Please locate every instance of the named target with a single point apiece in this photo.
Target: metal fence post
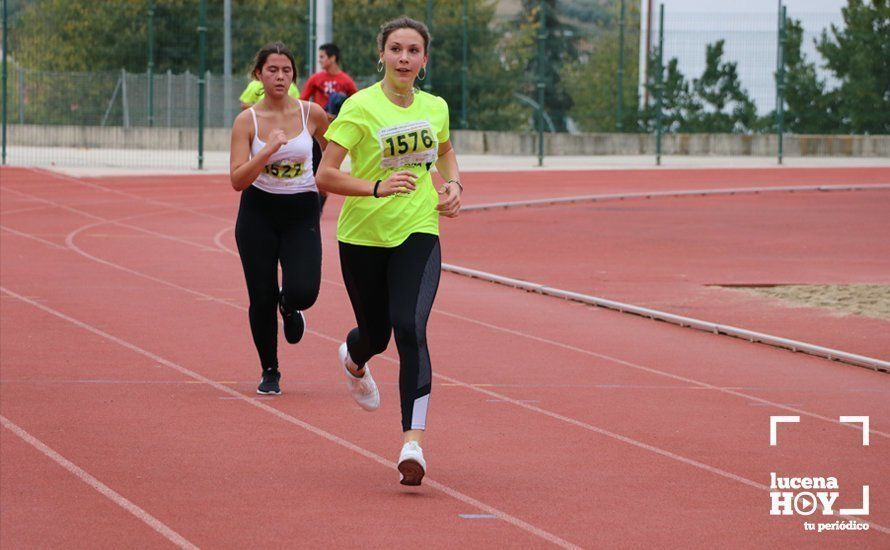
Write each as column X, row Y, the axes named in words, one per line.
column 314, row 54
column 111, row 101
column 151, row 63
column 208, row 104
column 618, row 122
column 227, row 64
column 309, row 16
column 464, row 71
column 542, row 37
column 202, row 43
column 187, row 104
column 780, row 83
column 21, row 73
column 659, row 86
column 310, row 37
column 428, row 80
column 5, row 49
column 169, row 98
column 125, row 106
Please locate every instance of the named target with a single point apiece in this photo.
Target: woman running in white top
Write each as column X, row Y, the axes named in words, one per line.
column 271, row 164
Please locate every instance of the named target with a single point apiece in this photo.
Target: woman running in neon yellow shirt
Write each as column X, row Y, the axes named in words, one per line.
column 389, row 225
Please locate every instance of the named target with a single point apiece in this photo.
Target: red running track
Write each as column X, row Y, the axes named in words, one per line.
column 125, row 350
column 680, row 254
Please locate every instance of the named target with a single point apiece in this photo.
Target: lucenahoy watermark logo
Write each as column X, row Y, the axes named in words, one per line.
column 806, row 496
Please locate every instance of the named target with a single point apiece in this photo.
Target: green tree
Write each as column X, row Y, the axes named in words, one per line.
column 521, row 56
column 255, row 23
column 81, row 39
column 107, row 35
column 714, row 102
column 65, row 35
column 100, row 35
column 90, row 41
column 592, row 80
column 810, row 108
column 859, row 56
column 491, row 103
column 678, row 103
column 722, row 104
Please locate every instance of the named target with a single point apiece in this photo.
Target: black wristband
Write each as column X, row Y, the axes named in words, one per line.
column 458, row 184
column 376, row 186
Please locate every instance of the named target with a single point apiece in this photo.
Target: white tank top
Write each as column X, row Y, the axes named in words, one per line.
column 289, row 170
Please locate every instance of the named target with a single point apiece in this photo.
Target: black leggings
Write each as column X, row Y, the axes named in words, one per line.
column 392, row 290
column 271, row 229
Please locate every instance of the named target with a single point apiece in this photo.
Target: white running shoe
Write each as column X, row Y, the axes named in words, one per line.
column 412, row 466
column 364, row 389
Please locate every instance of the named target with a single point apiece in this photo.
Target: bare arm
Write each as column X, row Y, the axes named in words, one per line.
column 450, row 192
column 243, row 170
column 331, row 179
column 318, row 124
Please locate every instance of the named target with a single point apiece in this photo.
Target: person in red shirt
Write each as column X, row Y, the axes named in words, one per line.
column 330, row 79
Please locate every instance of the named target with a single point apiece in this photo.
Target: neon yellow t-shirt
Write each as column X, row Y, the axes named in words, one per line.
column 383, row 138
column 255, row 92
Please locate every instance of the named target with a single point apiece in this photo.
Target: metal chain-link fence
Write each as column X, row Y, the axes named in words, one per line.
column 129, row 74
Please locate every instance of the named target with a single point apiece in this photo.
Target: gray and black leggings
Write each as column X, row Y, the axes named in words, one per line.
column 392, row 291
column 273, row 229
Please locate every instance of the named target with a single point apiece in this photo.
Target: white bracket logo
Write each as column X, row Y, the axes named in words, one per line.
column 773, row 421
column 806, row 503
column 858, row 420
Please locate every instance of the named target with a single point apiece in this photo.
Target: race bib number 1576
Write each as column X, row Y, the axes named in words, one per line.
column 408, row 143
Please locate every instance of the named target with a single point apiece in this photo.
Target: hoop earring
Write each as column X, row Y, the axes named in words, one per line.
column 379, row 65
column 424, row 73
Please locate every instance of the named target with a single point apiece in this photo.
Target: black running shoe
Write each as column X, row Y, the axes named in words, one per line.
column 294, row 324
column 269, row 383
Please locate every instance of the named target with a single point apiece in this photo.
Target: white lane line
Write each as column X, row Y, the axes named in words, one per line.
column 557, row 416
column 32, row 237
column 100, row 220
column 512, row 520
column 218, row 241
column 698, row 384
column 685, row 322
column 702, row 385
column 671, row 194
column 22, row 210
column 44, row 382
column 69, row 241
column 105, row 490
column 812, row 349
column 155, row 202
column 657, row 450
